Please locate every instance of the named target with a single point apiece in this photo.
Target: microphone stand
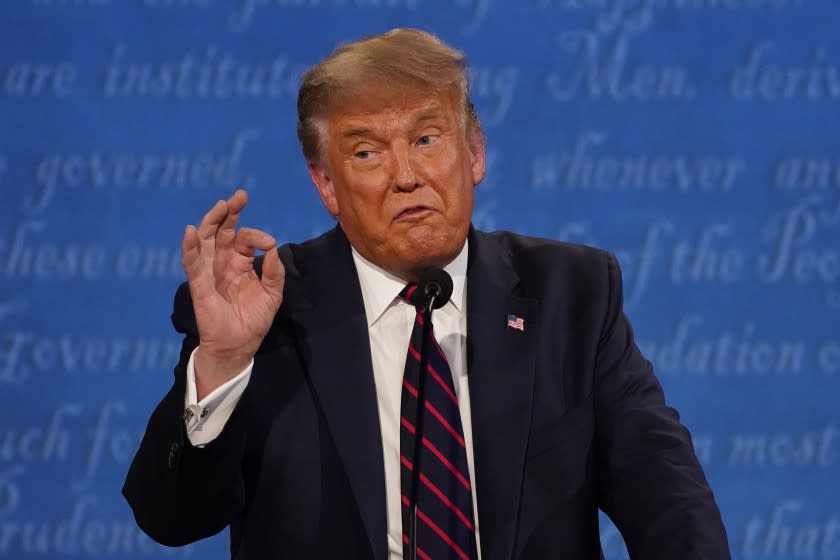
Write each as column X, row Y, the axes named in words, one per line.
column 433, row 292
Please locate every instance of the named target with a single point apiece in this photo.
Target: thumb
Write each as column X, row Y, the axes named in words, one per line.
column 273, row 273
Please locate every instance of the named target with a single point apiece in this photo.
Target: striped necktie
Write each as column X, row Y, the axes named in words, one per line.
column 432, row 442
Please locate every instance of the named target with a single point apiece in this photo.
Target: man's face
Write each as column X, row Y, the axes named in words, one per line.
column 399, row 175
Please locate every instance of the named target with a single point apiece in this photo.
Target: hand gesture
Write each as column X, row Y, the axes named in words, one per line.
column 234, row 308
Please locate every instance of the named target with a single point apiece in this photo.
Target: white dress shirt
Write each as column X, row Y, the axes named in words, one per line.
column 390, row 322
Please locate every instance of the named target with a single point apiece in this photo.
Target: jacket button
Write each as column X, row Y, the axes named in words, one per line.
column 172, row 460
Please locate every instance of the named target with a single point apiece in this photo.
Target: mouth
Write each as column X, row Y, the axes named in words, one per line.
column 412, row 212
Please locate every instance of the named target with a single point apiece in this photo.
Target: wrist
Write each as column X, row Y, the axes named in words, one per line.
column 213, row 370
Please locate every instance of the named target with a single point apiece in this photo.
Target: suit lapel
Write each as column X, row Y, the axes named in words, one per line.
column 333, row 329
column 500, row 365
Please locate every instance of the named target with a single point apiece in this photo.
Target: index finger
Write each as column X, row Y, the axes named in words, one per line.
column 211, row 221
column 227, row 230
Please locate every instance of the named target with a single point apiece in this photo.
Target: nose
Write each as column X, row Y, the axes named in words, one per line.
column 405, row 176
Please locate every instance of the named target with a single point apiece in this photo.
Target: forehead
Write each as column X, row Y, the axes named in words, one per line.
column 388, row 109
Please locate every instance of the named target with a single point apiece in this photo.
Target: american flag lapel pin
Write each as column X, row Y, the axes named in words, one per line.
column 516, row 322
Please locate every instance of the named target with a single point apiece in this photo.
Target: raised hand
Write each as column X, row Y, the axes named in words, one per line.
column 234, row 308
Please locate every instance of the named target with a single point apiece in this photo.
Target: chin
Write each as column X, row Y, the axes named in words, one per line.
column 430, row 251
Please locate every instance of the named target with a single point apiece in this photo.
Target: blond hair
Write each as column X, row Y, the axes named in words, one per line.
column 407, row 59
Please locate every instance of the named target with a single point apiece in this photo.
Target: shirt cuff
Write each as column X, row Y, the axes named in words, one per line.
column 205, row 420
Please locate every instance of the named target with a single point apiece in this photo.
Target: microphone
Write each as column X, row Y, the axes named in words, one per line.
column 433, row 289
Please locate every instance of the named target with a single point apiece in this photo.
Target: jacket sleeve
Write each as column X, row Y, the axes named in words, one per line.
column 651, row 483
column 180, row 493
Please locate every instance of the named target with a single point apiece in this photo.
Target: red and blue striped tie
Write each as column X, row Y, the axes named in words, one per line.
column 444, row 514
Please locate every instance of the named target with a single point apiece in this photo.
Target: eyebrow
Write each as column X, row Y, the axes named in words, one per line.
column 428, row 114
column 356, row 132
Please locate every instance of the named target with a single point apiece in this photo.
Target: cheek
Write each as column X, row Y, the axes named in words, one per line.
column 362, row 195
column 456, row 183
column 448, row 160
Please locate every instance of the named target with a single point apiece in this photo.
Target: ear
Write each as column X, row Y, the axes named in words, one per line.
column 321, row 179
column 478, row 157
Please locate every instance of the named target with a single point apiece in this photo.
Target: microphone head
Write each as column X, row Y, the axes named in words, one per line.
column 434, row 283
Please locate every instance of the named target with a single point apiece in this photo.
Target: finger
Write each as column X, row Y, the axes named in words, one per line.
column 237, row 201
column 273, row 273
column 248, row 240
column 211, row 221
column 227, row 229
column 189, row 249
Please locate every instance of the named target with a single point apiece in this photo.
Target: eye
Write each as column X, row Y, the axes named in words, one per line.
column 425, row 140
column 362, row 154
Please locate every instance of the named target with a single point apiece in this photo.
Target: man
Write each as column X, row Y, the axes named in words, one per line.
column 288, row 416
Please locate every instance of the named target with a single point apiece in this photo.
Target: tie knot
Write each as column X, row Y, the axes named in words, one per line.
column 409, row 293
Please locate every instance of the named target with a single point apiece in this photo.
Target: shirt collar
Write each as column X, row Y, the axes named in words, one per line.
column 380, row 288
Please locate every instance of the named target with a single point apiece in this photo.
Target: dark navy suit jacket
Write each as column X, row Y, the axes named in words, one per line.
column 567, row 417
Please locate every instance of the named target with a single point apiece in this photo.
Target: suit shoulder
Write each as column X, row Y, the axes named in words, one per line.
column 549, row 254
column 292, row 255
column 575, row 272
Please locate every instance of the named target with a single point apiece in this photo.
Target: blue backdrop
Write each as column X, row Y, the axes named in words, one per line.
column 697, row 139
